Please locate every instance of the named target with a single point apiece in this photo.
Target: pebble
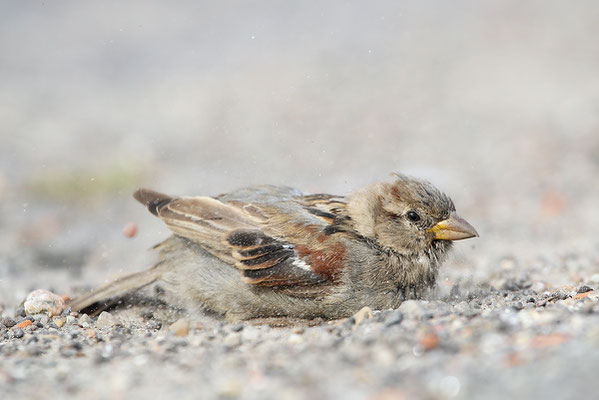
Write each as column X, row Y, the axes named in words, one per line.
column 250, row 334
column 18, row 333
column 58, row 321
column 363, row 314
column 584, row 289
column 130, row 230
column 295, row 339
column 106, row 320
column 180, row 327
column 428, row 341
column 90, row 333
column 23, row 324
column 8, row 322
column 85, row 320
column 232, row 340
column 44, row 301
column 413, row 308
column 44, row 319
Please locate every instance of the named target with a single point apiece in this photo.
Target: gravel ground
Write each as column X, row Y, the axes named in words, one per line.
column 495, row 103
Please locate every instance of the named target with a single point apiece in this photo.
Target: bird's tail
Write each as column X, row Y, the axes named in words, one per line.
column 116, row 289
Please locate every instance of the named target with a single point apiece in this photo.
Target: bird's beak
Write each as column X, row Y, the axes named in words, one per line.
column 453, row 228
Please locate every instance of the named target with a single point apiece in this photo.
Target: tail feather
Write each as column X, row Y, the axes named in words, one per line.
column 151, row 199
column 118, row 288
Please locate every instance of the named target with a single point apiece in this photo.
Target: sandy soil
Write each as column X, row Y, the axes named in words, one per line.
column 497, row 104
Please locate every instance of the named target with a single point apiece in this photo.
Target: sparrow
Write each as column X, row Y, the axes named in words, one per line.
column 272, row 251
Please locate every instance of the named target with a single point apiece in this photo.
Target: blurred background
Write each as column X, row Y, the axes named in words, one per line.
column 497, row 103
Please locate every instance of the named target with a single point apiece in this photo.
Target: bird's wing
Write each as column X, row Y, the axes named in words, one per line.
column 272, row 244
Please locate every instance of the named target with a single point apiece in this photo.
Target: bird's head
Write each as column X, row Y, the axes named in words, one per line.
column 408, row 216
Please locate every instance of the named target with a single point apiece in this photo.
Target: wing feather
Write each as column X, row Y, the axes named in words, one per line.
column 245, row 235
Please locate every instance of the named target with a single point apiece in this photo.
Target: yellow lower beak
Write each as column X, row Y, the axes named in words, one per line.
column 453, row 228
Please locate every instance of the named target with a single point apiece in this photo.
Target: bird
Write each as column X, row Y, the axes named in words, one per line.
column 273, row 251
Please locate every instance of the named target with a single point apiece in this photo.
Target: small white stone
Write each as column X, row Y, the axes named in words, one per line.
column 363, row 314
column 180, row 327
column 58, row 321
column 85, row 321
column 106, row 320
column 43, row 301
column 295, row 339
column 232, row 340
column 250, row 334
column 43, row 319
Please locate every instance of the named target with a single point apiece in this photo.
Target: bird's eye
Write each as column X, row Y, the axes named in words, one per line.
column 412, row 216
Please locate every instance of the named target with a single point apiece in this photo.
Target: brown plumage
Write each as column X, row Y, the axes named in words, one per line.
column 272, row 251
